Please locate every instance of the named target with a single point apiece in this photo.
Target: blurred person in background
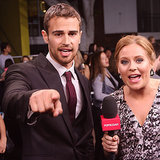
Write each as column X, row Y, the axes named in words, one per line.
column 5, row 54
column 108, row 53
column 152, row 40
column 92, row 48
column 91, row 51
column 103, row 84
column 3, row 138
column 8, row 62
column 81, row 66
column 156, row 68
column 100, row 49
column 25, row 59
column 85, row 56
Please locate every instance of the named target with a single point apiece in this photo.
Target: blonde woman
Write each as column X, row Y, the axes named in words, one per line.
column 138, row 102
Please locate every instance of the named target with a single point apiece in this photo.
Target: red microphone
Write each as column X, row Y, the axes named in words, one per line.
column 110, row 124
column 110, row 120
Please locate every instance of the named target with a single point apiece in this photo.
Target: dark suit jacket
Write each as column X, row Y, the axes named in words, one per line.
column 50, row 138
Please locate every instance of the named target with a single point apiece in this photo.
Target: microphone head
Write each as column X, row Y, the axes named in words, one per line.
column 109, row 107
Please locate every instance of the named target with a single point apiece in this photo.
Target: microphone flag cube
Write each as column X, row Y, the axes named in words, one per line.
column 110, row 124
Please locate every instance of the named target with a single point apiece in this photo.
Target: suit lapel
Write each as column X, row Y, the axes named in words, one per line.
column 82, row 83
column 53, row 81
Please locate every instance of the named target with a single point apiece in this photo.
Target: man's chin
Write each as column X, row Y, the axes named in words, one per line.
column 67, row 63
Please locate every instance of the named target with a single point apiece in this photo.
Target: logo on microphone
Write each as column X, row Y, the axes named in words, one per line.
column 114, row 124
column 110, row 124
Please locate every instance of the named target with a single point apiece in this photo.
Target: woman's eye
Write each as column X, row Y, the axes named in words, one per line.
column 139, row 60
column 124, row 61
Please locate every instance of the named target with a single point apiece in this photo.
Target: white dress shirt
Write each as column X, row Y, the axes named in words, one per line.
column 61, row 70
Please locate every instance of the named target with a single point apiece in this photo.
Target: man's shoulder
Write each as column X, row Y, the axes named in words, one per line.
column 39, row 62
column 21, row 67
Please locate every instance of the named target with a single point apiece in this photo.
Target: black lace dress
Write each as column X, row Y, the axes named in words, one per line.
column 138, row 142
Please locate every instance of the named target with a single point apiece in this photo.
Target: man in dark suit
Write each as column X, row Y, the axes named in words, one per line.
column 36, row 96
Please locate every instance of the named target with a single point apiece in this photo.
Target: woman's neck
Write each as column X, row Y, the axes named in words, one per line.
column 147, row 90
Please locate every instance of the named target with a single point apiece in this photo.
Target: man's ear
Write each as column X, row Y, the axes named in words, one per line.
column 45, row 36
column 158, row 58
column 80, row 37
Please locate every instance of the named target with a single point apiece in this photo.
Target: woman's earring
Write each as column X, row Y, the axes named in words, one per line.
column 151, row 72
column 120, row 76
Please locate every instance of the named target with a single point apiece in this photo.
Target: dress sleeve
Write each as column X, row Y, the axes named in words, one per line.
column 97, row 88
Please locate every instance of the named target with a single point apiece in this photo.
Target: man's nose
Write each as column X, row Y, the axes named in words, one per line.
column 66, row 39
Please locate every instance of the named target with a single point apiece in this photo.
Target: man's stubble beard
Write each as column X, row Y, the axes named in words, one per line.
column 62, row 62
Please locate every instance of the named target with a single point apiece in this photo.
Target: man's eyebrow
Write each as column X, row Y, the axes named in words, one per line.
column 59, row 31
column 75, row 31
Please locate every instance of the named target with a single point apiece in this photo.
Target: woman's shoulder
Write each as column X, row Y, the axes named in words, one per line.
column 118, row 94
column 98, row 78
column 155, row 83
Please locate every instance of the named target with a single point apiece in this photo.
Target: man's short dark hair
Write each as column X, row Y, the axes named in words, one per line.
column 60, row 10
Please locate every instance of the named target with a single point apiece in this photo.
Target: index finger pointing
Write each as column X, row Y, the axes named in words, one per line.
column 57, row 108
